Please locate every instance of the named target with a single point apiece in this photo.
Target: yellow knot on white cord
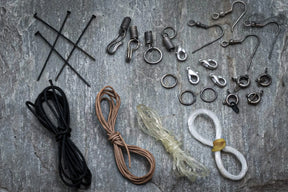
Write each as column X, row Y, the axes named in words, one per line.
column 219, row 144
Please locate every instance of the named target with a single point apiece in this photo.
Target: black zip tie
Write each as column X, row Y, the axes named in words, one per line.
column 41, row 20
column 74, row 47
column 50, row 53
column 72, row 167
column 46, row 41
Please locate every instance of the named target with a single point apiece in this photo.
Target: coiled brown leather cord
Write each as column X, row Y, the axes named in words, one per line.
column 110, row 95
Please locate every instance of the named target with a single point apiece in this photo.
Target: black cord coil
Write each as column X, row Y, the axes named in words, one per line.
column 72, row 166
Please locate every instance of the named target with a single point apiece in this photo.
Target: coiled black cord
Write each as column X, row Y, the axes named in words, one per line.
column 72, row 166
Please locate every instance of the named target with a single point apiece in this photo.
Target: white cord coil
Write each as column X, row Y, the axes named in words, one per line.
column 207, row 142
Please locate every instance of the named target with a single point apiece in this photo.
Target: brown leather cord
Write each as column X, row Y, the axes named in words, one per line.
column 116, row 139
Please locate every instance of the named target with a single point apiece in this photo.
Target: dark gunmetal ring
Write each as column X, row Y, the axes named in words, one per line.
column 181, row 95
column 206, row 100
column 174, row 31
column 151, row 49
column 167, row 86
column 241, row 79
column 264, row 80
column 229, row 96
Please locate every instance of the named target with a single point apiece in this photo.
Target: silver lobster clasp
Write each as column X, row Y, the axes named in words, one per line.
column 254, row 98
column 181, row 54
column 209, row 63
column 218, row 80
column 193, row 76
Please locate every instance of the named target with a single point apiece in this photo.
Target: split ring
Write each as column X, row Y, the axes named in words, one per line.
column 168, row 86
column 208, row 100
column 193, row 98
column 151, row 50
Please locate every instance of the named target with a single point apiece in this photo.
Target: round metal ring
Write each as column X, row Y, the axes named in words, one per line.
column 167, row 86
column 230, row 97
column 151, row 49
column 253, row 98
column 193, row 99
column 264, row 80
column 206, row 100
column 171, row 28
column 243, row 81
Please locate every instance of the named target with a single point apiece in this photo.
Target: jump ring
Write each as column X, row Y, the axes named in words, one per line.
column 208, row 100
column 193, row 97
column 151, row 50
column 167, row 86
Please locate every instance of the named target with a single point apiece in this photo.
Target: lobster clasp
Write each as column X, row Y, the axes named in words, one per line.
column 218, row 80
column 193, row 76
column 209, row 63
column 181, row 54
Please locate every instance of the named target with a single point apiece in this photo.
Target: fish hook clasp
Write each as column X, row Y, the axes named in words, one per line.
column 216, row 16
column 218, row 80
column 198, row 24
column 133, row 40
column 117, row 42
column 208, row 63
column 149, row 42
column 254, row 98
column 181, row 54
column 193, row 76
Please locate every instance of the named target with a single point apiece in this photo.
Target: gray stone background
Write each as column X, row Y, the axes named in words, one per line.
column 28, row 152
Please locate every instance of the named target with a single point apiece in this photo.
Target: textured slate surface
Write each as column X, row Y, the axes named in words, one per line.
column 28, row 152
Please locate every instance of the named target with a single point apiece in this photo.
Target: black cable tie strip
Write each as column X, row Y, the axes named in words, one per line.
column 72, row 166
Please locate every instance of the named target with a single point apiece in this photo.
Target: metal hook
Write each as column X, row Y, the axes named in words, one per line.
column 264, row 79
column 193, row 76
column 254, row 98
column 198, row 24
column 149, row 42
column 234, row 42
column 117, row 42
column 216, row 16
column 232, row 100
column 218, row 80
column 208, row 63
column 181, row 54
column 133, row 39
column 256, row 24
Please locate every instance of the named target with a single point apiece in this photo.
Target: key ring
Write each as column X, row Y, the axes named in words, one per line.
column 208, row 100
column 193, row 97
column 218, row 141
column 168, row 86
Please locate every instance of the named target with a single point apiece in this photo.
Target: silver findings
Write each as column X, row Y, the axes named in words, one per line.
column 208, row 100
column 181, row 54
column 218, row 80
column 208, row 63
column 193, row 76
column 149, row 42
column 216, row 16
column 187, row 103
column 264, row 79
column 254, row 98
column 168, row 86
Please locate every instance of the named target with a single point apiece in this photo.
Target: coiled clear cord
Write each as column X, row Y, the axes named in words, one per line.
column 151, row 124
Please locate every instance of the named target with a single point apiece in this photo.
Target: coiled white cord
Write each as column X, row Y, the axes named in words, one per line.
column 227, row 149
